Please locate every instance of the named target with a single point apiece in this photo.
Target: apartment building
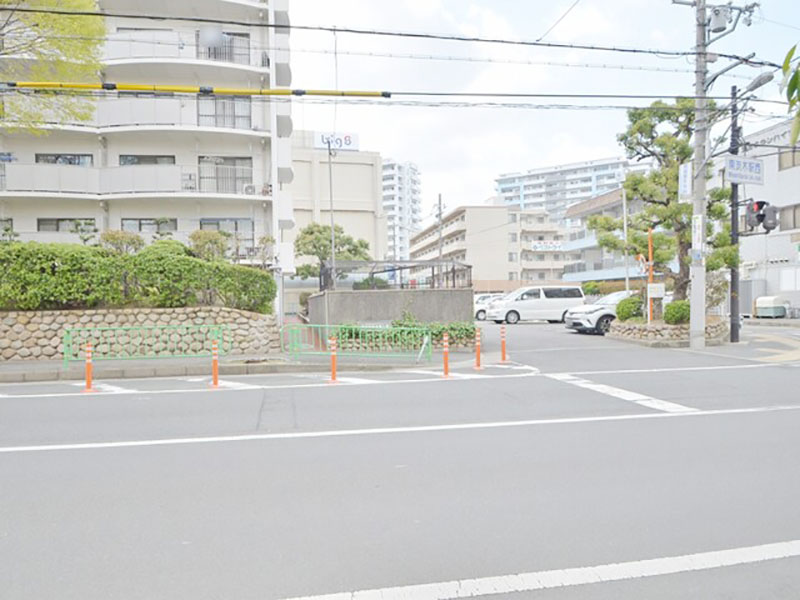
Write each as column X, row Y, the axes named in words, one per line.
column 402, row 203
column 555, row 189
column 357, row 194
column 506, row 246
column 174, row 162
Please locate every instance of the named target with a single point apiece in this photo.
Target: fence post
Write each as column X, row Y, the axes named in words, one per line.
column 332, row 343
column 66, row 347
column 88, row 387
column 446, row 354
column 503, row 357
column 214, row 363
column 478, row 349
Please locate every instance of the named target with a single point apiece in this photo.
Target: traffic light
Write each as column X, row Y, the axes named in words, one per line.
column 770, row 218
column 754, row 215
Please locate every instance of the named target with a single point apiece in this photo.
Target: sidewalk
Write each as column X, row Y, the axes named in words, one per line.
column 53, row 370
column 772, row 323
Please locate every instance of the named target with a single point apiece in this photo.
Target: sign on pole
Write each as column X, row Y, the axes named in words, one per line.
column 685, row 181
column 744, row 170
column 656, row 290
column 338, row 141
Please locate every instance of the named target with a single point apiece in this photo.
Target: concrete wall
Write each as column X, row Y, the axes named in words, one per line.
column 32, row 335
column 383, row 306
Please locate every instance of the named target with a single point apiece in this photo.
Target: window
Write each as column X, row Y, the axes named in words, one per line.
column 540, row 257
column 512, row 276
column 241, row 230
column 224, row 111
column 149, row 225
column 541, row 275
column 540, row 220
column 531, row 294
column 512, row 218
column 225, row 174
column 6, row 225
column 790, row 217
column 235, row 48
column 788, row 159
column 61, row 225
column 572, row 292
column 512, row 257
column 512, row 237
column 556, row 257
column 80, row 160
column 126, row 160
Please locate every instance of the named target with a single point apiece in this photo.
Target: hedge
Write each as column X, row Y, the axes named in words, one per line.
column 162, row 275
column 677, row 312
column 629, row 308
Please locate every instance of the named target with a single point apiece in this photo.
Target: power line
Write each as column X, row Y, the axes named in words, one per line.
column 389, row 33
column 561, row 18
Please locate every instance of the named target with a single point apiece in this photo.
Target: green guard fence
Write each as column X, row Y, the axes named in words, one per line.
column 411, row 343
column 158, row 341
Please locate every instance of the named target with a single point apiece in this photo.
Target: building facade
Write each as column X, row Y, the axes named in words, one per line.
column 177, row 163
column 402, row 203
column 506, row 246
column 771, row 263
column 555, row 189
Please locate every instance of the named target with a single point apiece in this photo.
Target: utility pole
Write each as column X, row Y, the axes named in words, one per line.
column 734, row 150
column 625, row 232
column 333, row 222
column 697, row 324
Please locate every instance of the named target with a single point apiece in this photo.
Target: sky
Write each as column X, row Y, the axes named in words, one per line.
column 460, row 151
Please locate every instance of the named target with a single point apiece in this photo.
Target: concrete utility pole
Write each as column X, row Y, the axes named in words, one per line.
column 697, row 324
column 333, row 222
column 734, row 150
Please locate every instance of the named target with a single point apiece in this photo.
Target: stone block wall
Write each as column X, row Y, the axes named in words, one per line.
column 662, row 335
column 38, row 335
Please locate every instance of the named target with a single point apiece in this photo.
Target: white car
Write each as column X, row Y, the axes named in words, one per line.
column 596, row 317
column 535, row 303
column 481, row 303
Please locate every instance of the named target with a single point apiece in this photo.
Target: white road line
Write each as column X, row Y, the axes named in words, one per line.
column 668, row 370
column 387, row 430
column 237, row 385
column 615, row 392
column 109, row 389
column 543, row 580
column 356, row 380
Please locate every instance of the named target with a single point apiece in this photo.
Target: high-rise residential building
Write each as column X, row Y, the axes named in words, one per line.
column 506, row 246
column 151, row 161
column 402, row 204
column 555, row 189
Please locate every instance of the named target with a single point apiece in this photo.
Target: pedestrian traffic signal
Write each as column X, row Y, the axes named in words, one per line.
column 754, row 214
column 770, row 219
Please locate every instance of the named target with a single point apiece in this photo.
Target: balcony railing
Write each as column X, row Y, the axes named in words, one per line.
column 134, row 179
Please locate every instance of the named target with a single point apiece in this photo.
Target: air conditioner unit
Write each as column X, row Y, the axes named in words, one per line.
column 250, row 189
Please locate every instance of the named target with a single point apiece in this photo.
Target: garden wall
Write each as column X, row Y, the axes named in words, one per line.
column 667, row 336
column 38, row 335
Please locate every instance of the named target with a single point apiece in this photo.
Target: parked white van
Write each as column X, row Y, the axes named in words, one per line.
column 533, row 303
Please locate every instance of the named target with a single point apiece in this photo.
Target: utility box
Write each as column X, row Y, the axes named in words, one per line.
column 774, row 307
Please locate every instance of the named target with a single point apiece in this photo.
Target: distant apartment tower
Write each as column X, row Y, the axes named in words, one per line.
column 402, row 205
column 555, row 189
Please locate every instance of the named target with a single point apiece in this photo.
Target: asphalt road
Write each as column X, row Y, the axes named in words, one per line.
column 587, row 469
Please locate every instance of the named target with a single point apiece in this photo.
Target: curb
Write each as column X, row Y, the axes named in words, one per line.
column 793, row 323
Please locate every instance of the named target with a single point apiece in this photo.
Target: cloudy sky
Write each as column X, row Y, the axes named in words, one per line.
column 460, row 151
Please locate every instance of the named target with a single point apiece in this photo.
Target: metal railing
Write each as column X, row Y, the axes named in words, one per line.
column 158, row 341
column 411, row 343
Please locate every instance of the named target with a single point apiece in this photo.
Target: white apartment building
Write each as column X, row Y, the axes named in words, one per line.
column 179, row 162
column 770, row 264
column 357, row 198
column 506, row 247
column 555, row 189
column 402, row 203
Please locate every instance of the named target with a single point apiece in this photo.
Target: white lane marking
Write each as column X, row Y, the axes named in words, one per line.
column 388, row 430
column 668, row 370
column 236, row 385
column 615, row 392
column 356, row 380
column 542, row 580
column 108, row 388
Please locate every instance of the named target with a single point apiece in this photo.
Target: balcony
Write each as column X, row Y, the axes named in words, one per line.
column 45, row 179
column 581, row 240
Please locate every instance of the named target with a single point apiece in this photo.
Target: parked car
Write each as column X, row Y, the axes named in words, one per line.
column 533, row 303
column 481, row 303
column 596, row 317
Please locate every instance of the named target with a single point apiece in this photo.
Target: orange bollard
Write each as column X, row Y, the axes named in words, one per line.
column 446, row 354
column 478, row 349
column 88, row 387
column 503, row 357
column 332, row 342
column 214, row 364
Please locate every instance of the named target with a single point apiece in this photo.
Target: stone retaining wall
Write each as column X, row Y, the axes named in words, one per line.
column 667, row 336
column 38, row 335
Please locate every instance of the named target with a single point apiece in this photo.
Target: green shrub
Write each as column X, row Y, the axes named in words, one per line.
column 591, row 288
column 629, row 308
column 677, row 312
column 245, row 288
column 459, row 332
column 371, row 283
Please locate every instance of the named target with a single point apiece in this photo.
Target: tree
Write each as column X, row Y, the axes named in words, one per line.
column 121, row 242
column 209, row 245
column 85, row 230
column 7, row 234
column 162, row 232
column 791, row 85
column 265, row 250
column 48, row 47
column 663, row 132
column 315, row 241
